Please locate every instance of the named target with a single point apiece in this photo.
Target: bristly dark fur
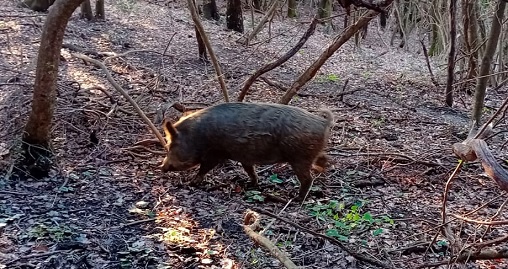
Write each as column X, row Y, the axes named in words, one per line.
column 252, row 134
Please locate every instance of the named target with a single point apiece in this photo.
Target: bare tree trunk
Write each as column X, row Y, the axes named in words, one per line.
column 312, row 70
column 210, row 10
column 470, row 40
column 451, row 56
column 234, row 17
column 38, row 128
column 325, row 9
column 201, row 46
column 86, row 10
column 485, row 66
column 436, row 44
column 215, row 62
column 291, row 8
column 256, row 4
column 99, row 10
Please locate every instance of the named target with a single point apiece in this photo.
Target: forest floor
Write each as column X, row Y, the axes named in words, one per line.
column 108, row 205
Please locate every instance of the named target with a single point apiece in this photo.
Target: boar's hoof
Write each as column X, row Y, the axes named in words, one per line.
column 196, row 181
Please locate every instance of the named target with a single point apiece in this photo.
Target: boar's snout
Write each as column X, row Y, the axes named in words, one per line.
column 172, row 164
column 168, row 166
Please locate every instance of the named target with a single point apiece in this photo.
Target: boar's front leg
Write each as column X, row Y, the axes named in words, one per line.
column 302, row 171
column 252, row 174
column 205, row 166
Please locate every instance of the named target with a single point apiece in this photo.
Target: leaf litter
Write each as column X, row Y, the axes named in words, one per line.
column 108, row 206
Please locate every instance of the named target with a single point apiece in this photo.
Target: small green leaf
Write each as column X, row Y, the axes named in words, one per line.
column 368, row 217
column 275, row 179
column 377, row 232
column 442, row 243
column 336, row 234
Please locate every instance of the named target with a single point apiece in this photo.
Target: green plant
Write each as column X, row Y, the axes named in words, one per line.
column 332, row 77
column 378, row 122
column 57, row 233
column 253, row 196
column 344, row 221
column 275, row 179
column 366, row 75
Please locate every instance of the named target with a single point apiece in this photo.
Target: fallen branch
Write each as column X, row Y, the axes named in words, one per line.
column 38, row 255
column 492, row 242
column 124, row 93
column 144, row 148
column 134, row 223
column 484, row 254
column 472, row 149
column 426, row 54
column 270, row 66
column 312, row 70
column 387, row 154
column 482, row 222
column 250, row 223
column 334, row 241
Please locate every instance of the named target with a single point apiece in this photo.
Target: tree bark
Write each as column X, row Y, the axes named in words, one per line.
column 38, row 128
column 99, row 10
column 312, row 70
column 215, row 62
column 436, row 44
column 210, row 10
column 201, row 46
column 256, row 4
column 485, row 67
column 291, row 8
column 234, row 16
column 86, row 10
column 325, row 9
column 470, row 40
column 451, row 56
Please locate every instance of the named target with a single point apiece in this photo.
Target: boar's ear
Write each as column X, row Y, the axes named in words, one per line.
column 169, row 129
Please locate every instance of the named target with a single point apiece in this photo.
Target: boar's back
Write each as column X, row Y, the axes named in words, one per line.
column 257, row 133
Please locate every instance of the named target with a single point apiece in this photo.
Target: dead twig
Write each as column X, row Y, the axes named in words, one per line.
column 482, row 222
column 387, row 154
column 492, row 242
column 146, row 149
column 329, row 51
column 270, row 66
column 125, row 94
column 455, row 241
column 484, row 254
column 251, row 223
column 38, row 255
column 133, row 223
column 245, row 40
column 14, row 193
column 426, row 54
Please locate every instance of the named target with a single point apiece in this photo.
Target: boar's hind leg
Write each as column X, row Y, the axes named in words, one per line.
column 321, row 162
column 204, row 168
column 252, row 173
column 302, row 171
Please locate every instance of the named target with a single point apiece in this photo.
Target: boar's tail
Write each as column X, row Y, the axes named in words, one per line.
column 328, row 116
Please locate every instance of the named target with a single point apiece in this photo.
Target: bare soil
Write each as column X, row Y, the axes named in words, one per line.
column 108, row 205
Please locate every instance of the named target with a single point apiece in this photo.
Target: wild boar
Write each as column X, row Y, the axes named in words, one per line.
column 252, row 134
